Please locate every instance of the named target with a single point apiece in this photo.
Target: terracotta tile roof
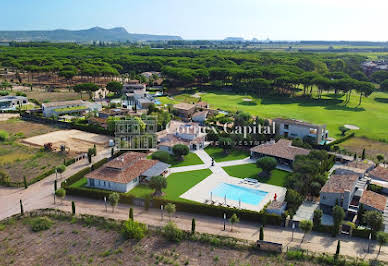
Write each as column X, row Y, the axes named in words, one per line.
column 172, row 140
column 184, row 106
column 379, row 172
column 340, row 183
column 201, row 104
column 281, row 149
column 183, row 127
column 123, row 169
column 200, row 114
column 374, row 200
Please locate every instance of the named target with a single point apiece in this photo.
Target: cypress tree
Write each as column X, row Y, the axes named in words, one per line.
column 21, row 208
column 193, row 226
column 73, row 207
column 363, row 154
column 55, row 185
column 337, row 252
column 261, row 237
column 25, row 182
column 131, row 214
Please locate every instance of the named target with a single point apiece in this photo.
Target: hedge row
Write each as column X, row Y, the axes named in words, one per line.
column 362, row 233
column 218, row 211
column 340, row 140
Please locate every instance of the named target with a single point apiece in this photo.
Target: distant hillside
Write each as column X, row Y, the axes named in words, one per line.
column 93, row 34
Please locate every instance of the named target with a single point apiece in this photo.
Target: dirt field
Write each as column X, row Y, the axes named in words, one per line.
column 77, row 141
column 68, row 243
column 18, row 160
column 372, row 148
column 28, row 129
column 44, row 96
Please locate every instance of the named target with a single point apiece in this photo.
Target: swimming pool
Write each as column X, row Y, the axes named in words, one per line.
column 233, row 192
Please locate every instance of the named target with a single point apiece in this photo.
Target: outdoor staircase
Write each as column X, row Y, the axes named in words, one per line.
column 361, row 183
column 385, row 216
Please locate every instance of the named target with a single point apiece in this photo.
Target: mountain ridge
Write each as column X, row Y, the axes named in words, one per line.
column 84, row 35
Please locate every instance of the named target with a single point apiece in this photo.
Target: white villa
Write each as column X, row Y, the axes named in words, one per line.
column 125, row 172
column 178, row 132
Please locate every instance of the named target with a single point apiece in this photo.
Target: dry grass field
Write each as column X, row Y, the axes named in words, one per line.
column 372, row 148
column 67, row 243
column 18, row 160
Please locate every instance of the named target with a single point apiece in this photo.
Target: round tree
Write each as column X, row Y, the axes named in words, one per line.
column 267, row 164
column 180, row 150
column 114, row 200
column 158, row 183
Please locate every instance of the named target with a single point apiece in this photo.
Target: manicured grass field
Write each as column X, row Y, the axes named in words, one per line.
column 219, row 155
column 370, row 116
column 189, row 159
column 177, row 184
column 278, row 177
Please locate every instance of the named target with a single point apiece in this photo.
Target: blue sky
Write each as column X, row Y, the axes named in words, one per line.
column 208, row 19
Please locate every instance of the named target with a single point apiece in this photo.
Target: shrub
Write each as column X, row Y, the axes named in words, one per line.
column 133, row 230
column 60, row 193
column 172, row 232
column 179, row 150
column 162, row 156
column 41, row 223
column 61, row 168
column 4, row 93
column 3, row 135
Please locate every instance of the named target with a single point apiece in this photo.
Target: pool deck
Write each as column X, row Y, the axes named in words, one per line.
column 201, row 191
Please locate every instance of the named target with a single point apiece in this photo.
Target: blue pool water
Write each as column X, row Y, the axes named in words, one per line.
column 233, row 192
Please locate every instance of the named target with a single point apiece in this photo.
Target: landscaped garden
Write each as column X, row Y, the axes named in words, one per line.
column 189, row 159
column 277, row 178
column 219, row 155
column 370, row 116
column 177, row 184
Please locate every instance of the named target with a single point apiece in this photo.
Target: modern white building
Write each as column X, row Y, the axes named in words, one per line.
column 69, row 107
column 125, row 172
column 12, row 102
column 290, row 128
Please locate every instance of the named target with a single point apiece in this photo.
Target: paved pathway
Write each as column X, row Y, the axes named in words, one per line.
column 40, row 194
column 316, row 242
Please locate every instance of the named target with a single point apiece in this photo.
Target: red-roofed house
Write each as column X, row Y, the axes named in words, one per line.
column 373, row 201
column 124, row 172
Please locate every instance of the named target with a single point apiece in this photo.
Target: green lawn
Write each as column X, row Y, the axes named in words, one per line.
column 371, row 116
column 278, row 177
column 219, row 155
column 189, row 159
column 177, row 184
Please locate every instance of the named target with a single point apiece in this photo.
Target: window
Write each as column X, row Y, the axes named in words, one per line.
column 285, row 126
column 313, row 131
column 104, row 184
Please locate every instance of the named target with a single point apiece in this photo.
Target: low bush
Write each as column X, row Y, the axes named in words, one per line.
column 375, row 188
column 133, row 230
column 4, row 135
column 162, row 156
column 340, row 140
column 172, row 232
column 4, row 93
column 40, row 223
